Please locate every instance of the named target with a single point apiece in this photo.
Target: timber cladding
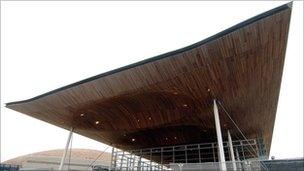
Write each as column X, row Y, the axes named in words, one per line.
column 167, row 100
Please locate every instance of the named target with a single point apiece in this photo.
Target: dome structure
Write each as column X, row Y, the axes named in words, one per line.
column 80, row 159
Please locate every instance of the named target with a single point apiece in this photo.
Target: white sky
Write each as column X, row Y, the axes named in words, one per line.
column 46, row 45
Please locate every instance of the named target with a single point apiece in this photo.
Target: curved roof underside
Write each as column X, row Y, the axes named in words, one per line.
column 167, row 99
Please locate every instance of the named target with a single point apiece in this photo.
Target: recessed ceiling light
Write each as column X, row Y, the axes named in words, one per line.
column 133, row 139
column 185, row 105
column 82, row 114
column 175, row 137
column 166, row 138
column 150, row 118
column 208, row 89
column 137, row 120
column 175, row 93
column 97, row 122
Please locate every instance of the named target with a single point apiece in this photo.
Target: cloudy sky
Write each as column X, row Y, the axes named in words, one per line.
column 46, row 45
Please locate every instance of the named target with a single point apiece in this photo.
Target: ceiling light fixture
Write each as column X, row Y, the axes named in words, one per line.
column 97, row 122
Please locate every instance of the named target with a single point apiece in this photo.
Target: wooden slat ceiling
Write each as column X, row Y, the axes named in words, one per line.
column 167, row 100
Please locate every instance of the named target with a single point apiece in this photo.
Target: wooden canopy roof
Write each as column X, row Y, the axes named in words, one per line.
column 167, row 99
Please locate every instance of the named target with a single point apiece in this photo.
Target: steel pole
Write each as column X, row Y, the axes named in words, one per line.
column 219, row 137
column 66, row 149
column 112, row 155
column 231, row 151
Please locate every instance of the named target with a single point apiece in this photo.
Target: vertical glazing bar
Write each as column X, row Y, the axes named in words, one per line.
column 139, row 162
column 127, row 166
column 214, row 160
column 186, row 157
column 121, row 160
column 173, row 154
column 162, row 158
column 133, row 162
column 199, row 153
column 150, row 159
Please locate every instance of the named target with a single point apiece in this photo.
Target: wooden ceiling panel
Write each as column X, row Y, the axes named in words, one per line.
column 167, row 100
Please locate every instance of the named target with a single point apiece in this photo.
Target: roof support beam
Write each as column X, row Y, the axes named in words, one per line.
column 219, row 137
column 66, row 149
column 231, row 151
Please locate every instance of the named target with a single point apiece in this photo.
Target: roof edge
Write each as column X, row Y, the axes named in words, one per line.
column 165, row 55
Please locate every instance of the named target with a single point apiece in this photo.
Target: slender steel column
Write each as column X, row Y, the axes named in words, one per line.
column 219, row 137
column 231, row 151
column 139, row 162
column 112, row 155
column 115, row 159
column 66, row 149
column 238, row 159
column 237, row 154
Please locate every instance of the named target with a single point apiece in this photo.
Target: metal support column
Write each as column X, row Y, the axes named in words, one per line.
column 237, row 154
column 112, row 155
column 66, row 149
column 219, row 137
column 139, row 165
column 231, row 151
column 115, row 159
column 238, row 159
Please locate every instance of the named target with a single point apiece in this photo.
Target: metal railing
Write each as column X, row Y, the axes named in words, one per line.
column 160, row 158
column 247, row 165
